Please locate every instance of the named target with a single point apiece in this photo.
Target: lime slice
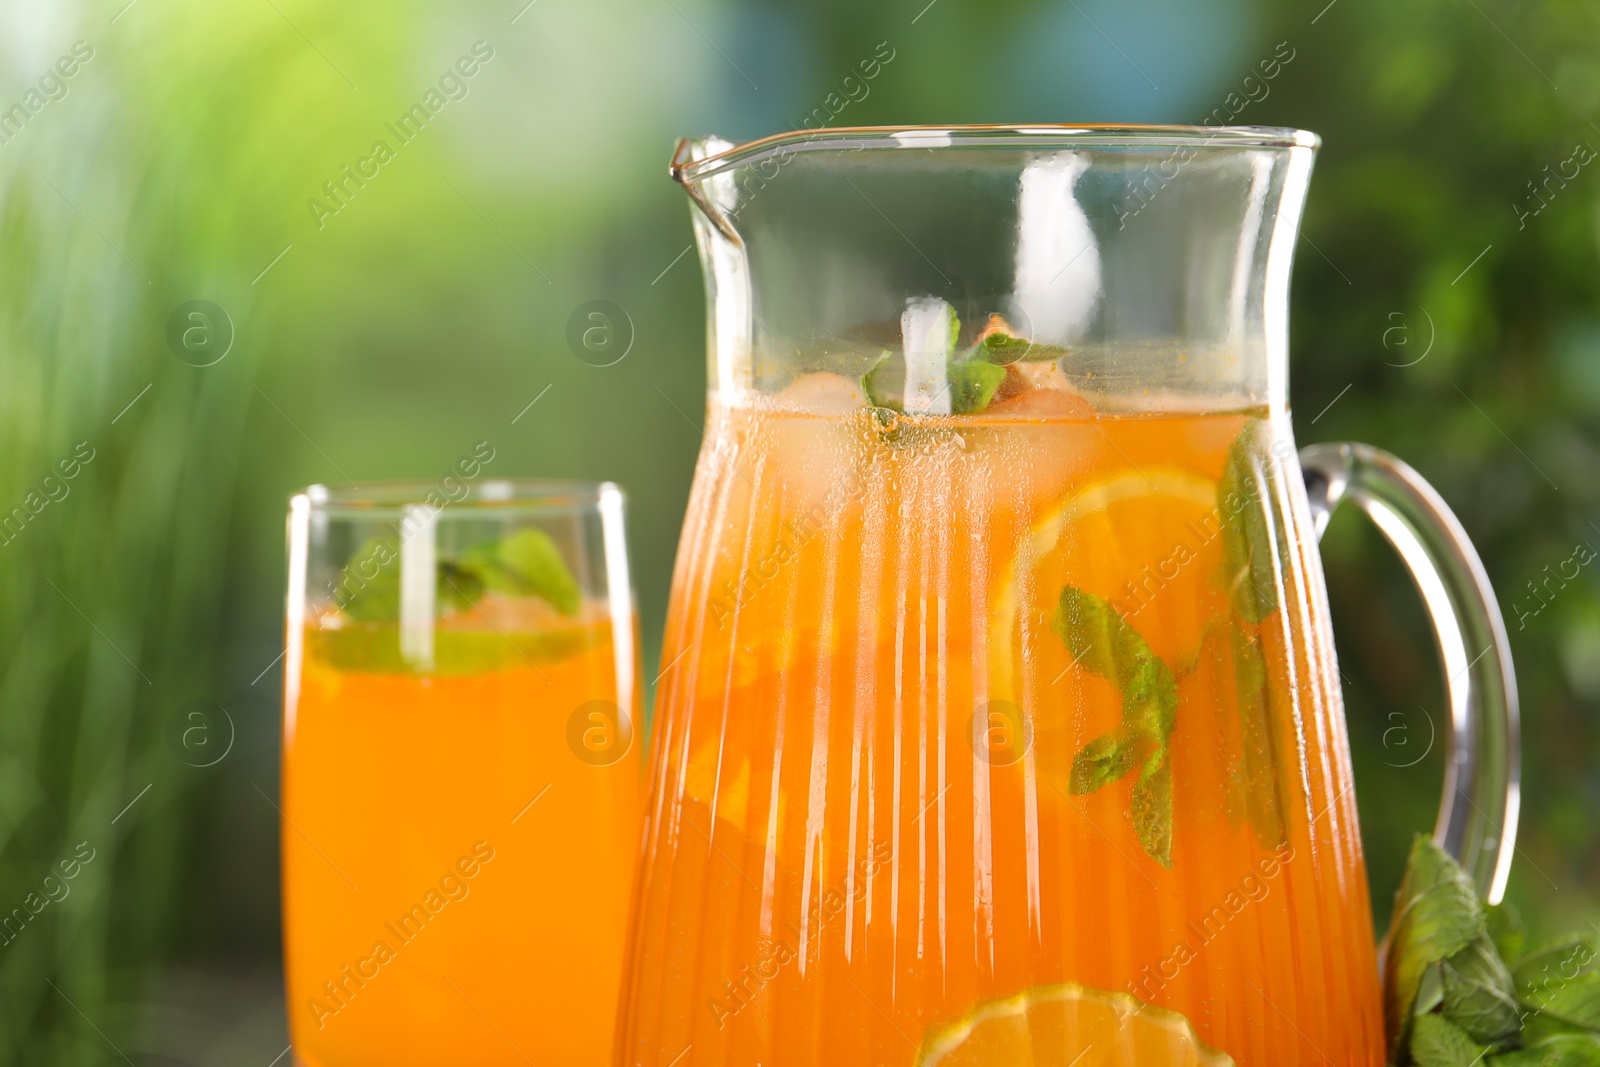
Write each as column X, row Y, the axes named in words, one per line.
column 1099, row 513
column 1068, row 1026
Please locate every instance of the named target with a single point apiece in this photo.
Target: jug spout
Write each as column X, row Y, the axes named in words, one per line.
column 723, row 259
column 693, row 150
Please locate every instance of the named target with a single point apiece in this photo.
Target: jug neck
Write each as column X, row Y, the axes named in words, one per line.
column 1145, row 268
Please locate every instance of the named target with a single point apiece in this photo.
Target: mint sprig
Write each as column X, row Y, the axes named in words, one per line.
column 1101, row 640
column 1436, row 916
column 526, row 563
column 1459, row 991
column 1246, row 532
column 369, row 586
column 1248, row 575
column 973, row 374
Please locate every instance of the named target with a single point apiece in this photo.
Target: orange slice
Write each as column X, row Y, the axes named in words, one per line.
column 1068, row 1026
column 1100, row 539
column 702, row 783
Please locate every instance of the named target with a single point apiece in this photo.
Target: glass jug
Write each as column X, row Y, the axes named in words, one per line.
column 1000, row 722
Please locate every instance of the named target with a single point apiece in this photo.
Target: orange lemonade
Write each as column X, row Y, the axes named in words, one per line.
column 995, row 739
column 458, row 843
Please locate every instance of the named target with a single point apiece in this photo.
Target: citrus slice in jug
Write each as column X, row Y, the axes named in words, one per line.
column 1068, row 1026
column 1134, row 538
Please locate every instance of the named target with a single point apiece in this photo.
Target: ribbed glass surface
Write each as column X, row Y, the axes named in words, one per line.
column 961, row 709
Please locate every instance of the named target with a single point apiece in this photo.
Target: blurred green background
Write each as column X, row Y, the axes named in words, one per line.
column 1446, row 307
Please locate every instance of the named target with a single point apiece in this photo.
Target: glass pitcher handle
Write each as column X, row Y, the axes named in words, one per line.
column 1478, row 813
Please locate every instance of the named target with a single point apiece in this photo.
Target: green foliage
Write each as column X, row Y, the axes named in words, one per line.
column 1453, row 999
column 1506, row 929
column 1437, row 915
column 1477, row 993
column 1438, row 1042
column 179, row 168
column 1557, row 1050
column 117, row 204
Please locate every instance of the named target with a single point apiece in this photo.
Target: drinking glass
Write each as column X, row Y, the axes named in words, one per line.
column 460, row 771
column 1001, row 720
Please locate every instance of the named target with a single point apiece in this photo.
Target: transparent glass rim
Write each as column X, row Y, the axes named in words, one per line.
column 466, row 498
column 926, row 138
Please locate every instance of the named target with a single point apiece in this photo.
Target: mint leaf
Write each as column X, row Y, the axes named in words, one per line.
column 1574, row 1002
column 527, row 563
column 972, row 385
column 377, row 598
column 1001, row 345
column 1478, row 994
column 971, row 376
column 1437, row 914
column 1152, row 809
column 1440, row 1043
column 458, row 589
column 1103, row 643
column 883, row 387
column 1249, row 576
column 1554, row 963
column 1557, row 1050
column 1259, row 768
column 1506, row 929
column 1247, row 543
column 1001, row 348
column 1559, row 987
column 369, row 585
column 1102, row 761
column 1538, row 1027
